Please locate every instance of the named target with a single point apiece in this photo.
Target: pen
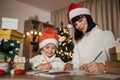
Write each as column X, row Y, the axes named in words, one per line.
column 97, row 56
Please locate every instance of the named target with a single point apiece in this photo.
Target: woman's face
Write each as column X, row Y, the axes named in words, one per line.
column 81, row 24
column 49, row 49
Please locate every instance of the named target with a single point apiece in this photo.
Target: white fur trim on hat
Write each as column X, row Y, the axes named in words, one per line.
column 78, row 11
column 47, row 41
column 69, row 26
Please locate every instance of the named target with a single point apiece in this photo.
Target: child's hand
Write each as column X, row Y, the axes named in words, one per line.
column 46, row 66
column 93, row 67
column 68, row 67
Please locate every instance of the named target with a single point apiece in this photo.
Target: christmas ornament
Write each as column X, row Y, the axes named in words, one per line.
column 18, row 71
column 69, row 26
column 2, row 72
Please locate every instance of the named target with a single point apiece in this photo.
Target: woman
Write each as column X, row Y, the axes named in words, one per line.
column 90, row 40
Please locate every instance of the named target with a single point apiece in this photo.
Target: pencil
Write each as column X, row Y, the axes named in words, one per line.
column 44, row 57
column 97, row 56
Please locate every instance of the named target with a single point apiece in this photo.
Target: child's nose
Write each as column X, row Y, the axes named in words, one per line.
column 50, row 50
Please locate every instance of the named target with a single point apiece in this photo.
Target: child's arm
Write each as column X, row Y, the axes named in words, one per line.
column 68, row 67
column 46, row 66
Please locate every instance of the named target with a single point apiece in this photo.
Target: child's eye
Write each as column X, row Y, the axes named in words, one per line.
column 53, row 48
column 47, row 47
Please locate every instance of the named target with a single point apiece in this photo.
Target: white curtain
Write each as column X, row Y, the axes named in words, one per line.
column 59, row 16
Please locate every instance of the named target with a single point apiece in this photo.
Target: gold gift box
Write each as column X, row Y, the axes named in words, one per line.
column 112, row 66
column 11, row 34
column 115, row 53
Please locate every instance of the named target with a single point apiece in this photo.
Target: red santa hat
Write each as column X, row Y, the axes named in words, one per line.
column 48, row 36
column 75, row 10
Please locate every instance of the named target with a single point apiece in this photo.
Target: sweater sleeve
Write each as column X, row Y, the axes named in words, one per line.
column 76, row 60
column 109, row 41
column 57, row 63
column 35, row 61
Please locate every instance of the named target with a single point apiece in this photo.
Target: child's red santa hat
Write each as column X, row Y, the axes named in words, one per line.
column 48, row 36
column 75, row 10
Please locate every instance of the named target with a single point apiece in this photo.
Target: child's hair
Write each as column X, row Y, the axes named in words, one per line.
column 78, row 34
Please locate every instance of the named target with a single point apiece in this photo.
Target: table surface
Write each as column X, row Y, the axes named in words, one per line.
column 104, row 76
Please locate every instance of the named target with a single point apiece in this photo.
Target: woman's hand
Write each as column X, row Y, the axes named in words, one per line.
column 68, row 67
column 93, row 67
column 46, row 66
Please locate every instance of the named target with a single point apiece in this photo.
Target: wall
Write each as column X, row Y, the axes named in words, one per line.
column 21, row 11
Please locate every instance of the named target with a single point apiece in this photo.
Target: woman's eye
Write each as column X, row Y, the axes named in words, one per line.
column 80, row 20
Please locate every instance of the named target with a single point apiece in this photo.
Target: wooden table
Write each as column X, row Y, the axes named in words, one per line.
column 69, row 77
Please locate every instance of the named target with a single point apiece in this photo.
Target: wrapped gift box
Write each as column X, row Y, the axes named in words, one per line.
column 112, row 66
column 2, row 57
column 12, row 47
column 11, row 34
column 118, row 52
column 115, row 53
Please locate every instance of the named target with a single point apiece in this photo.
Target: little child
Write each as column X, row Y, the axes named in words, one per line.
column 47, row 59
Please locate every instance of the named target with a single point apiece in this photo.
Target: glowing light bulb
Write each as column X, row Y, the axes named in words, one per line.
column 40, row 33
column 35, row 32
column 27, row 33
column 31, row 32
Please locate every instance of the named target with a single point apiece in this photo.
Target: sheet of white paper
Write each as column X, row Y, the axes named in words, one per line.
column 80, row 72
column 35, row 72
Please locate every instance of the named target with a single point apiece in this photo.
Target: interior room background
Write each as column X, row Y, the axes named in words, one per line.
column 106, row 13
column 22, row 12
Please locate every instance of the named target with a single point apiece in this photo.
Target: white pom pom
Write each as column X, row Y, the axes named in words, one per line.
column 12, row 71
column 69, row 26
column 62, row 38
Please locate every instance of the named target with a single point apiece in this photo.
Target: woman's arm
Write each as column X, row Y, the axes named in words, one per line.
column 93, row 67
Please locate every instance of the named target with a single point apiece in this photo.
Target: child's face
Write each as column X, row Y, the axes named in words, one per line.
column 49, row 49
column 81, row 24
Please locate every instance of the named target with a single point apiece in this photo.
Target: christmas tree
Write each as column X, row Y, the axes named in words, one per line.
column 65, row 46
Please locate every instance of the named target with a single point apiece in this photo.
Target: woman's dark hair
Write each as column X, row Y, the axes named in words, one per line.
column 78, row 34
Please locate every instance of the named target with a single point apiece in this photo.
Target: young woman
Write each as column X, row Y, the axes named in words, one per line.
column 47, row 59
column 90, row 40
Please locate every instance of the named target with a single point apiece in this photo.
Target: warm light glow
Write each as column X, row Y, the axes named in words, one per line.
column 35, row 32
column 27, row 33
column 24, row 35
column 39, row 33
column 31, row 32
column 65, row 53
